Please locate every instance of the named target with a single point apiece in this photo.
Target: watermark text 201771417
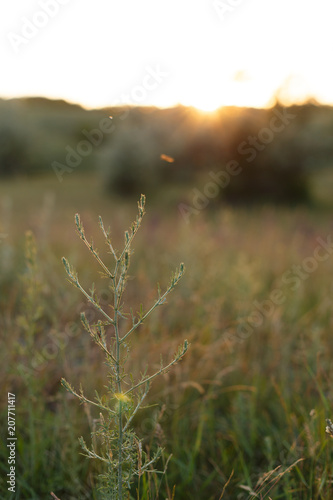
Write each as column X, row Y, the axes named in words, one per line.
column 11, row 443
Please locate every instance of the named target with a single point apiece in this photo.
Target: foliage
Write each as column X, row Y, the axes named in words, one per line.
column 36, row 133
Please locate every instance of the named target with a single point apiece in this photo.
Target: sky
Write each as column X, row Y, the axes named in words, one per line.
column 202, row 53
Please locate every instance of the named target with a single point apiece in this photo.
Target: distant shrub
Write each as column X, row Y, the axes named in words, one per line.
column 34, row 133
column 273, row 161
column 13, row 152
column 128, row 164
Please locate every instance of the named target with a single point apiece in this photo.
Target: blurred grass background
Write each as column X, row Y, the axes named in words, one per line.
column 232, row 409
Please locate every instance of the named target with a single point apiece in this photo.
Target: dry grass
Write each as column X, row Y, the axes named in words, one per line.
column 246, row 406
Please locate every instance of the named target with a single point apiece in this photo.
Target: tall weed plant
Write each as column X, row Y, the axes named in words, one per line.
column 114, row 442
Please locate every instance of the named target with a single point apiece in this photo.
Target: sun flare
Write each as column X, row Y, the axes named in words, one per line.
column 242, row 60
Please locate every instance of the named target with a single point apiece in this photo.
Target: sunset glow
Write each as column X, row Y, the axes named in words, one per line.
column 208, row 56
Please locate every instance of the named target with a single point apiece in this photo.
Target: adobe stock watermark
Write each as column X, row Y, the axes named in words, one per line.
column 293, row 278
column 249, row 149
column 30, row 28
column 226, row 7
column 11, row 443
column 153, row 77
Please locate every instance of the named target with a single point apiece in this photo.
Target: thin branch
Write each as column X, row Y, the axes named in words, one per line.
column 96, row 336
column 90, row 246
column 145, row 466
column 54, row 496
column 136, row 408
column 75, row 281
column 162, row 370
column 91, row 453
column 158, row 302
column 107, row 237
column 83, row 398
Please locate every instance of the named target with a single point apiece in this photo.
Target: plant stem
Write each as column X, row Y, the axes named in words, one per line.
column 120, row 452
column 118, row 383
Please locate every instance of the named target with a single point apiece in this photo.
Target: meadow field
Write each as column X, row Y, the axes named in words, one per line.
column 243, row 415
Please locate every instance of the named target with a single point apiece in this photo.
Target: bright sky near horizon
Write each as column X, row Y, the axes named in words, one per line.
column 203, row 53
